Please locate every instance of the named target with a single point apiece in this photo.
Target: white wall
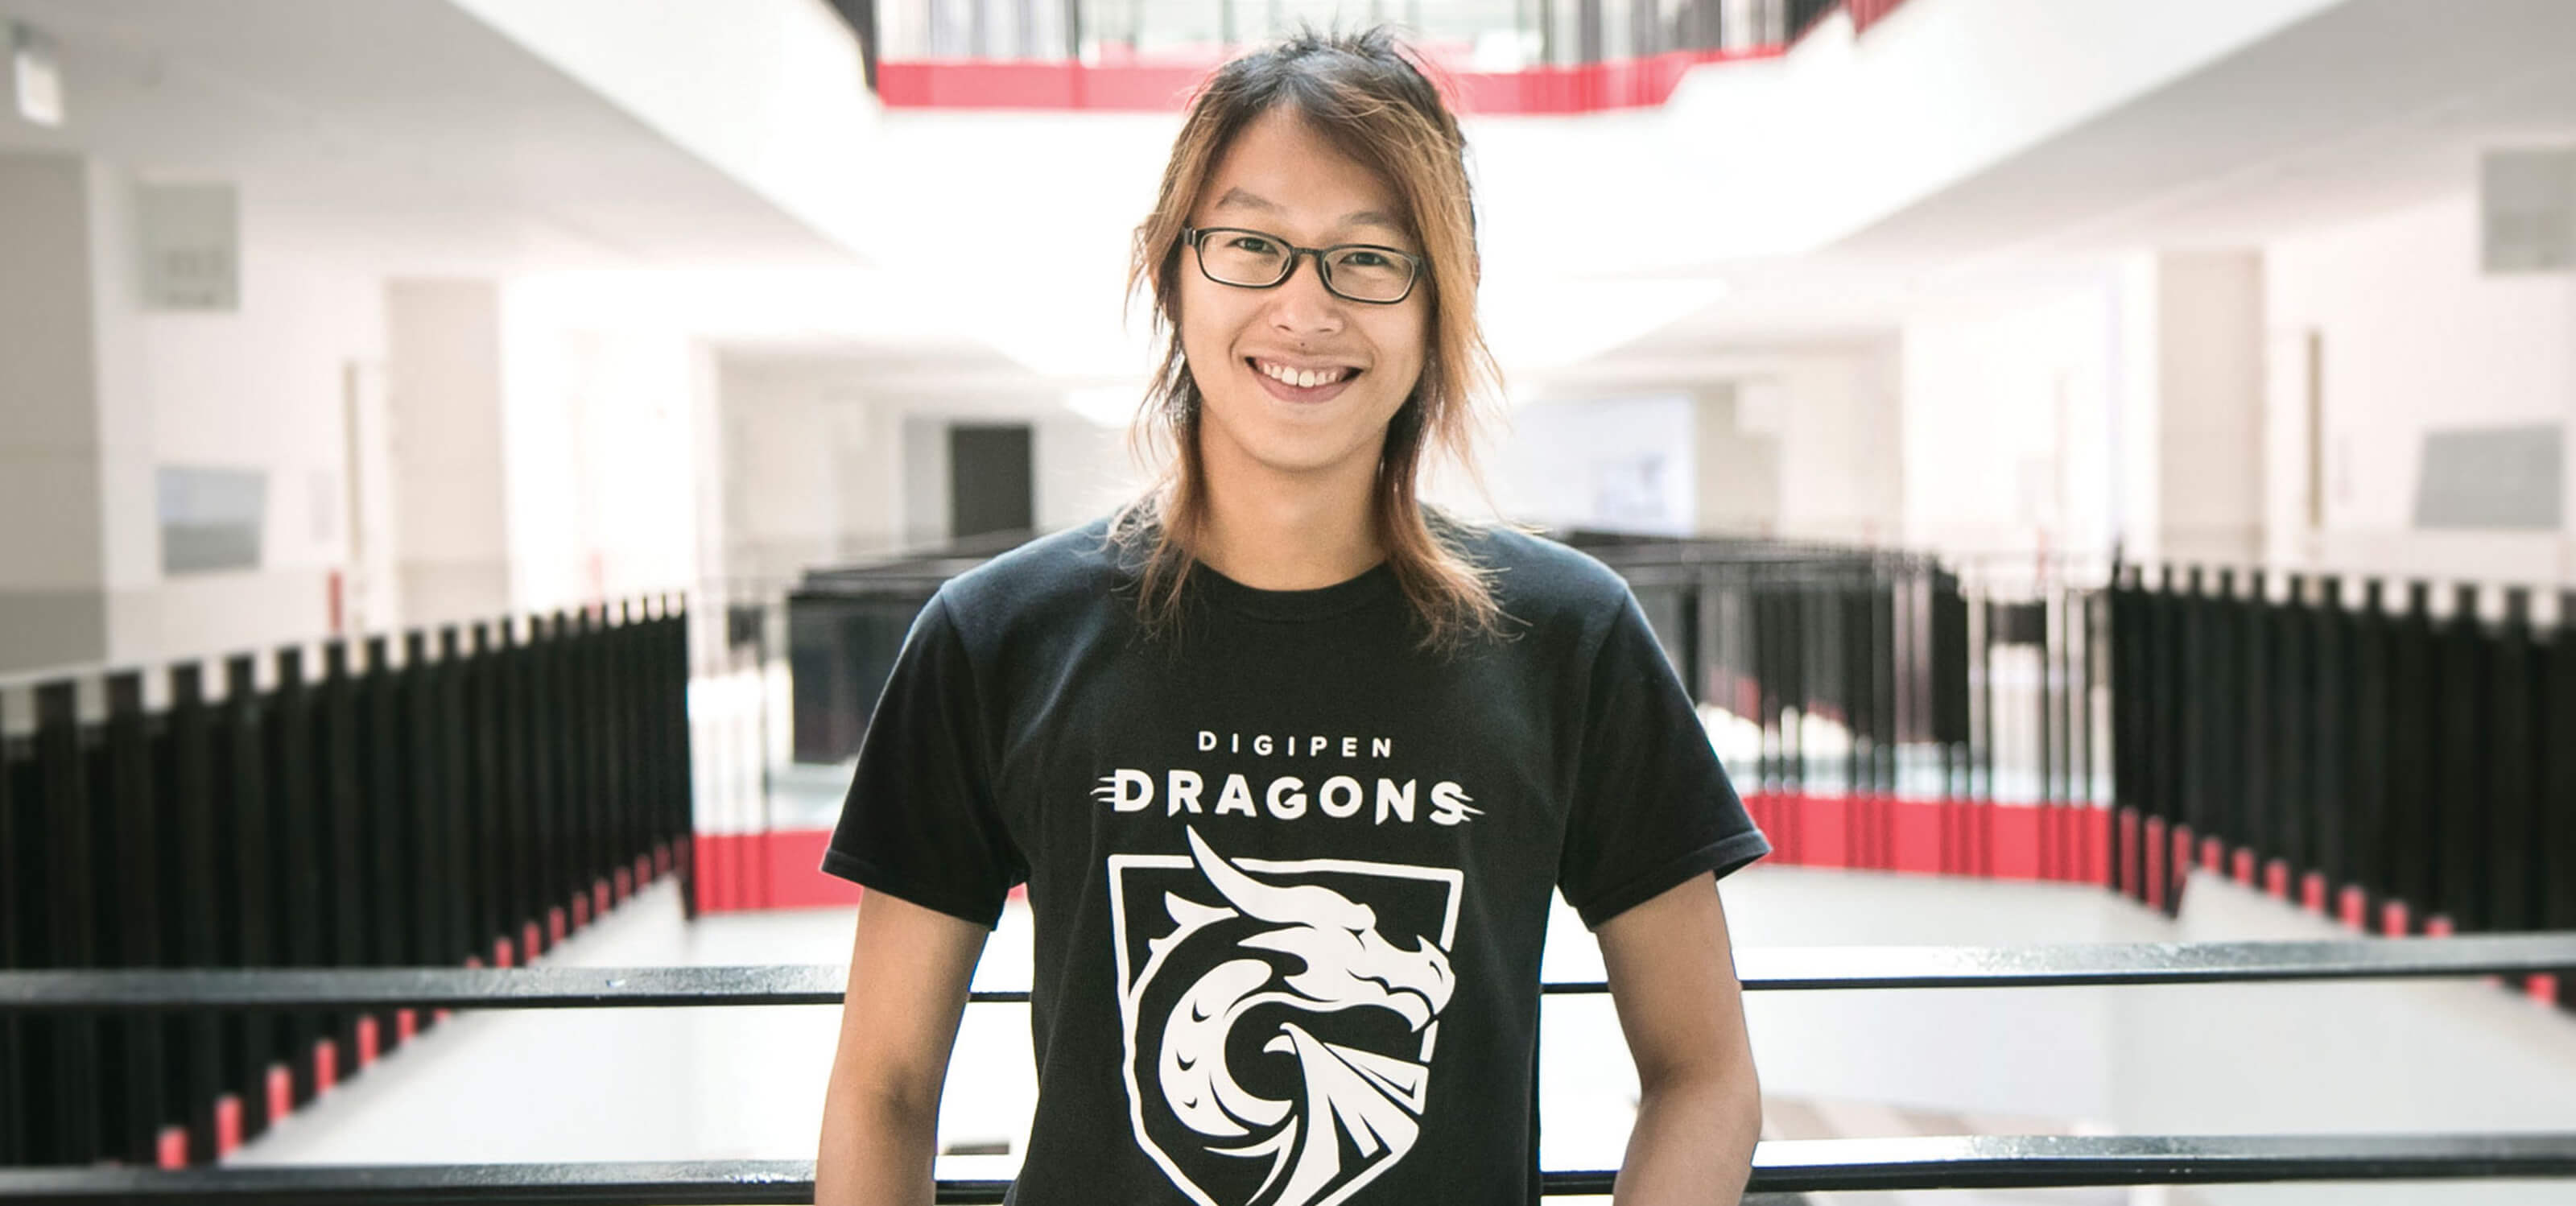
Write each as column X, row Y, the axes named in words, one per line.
column 812, row 472
column 822, row 466
column 264, row 387
column 1739, row 465
column 2209, row 452
column 1842, row 468
column 598, row 429
column 444, row 435
column 2413, row 337
column 1616, row 464
column 2006, row 404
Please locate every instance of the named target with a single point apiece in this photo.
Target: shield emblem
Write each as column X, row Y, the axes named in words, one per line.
column 1280, row 1017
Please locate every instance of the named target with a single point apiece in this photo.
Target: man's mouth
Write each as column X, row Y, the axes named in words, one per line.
column 1301, row 378
column 1302, row 385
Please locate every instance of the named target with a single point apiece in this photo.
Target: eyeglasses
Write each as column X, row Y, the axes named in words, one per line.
column 1360, row 272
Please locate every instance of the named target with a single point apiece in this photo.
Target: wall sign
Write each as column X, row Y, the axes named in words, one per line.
column 191, row 237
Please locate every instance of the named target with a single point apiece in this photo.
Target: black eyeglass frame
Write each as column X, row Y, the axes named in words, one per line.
column 1196, row 238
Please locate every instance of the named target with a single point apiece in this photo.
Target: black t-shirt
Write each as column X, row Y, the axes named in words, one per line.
column 1289, row 875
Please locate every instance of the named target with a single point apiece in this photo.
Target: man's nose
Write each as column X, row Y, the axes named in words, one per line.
column 1302, row 302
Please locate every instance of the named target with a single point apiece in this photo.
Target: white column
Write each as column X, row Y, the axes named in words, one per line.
column 443, row 400
column 52, row 552
column 2210, row 417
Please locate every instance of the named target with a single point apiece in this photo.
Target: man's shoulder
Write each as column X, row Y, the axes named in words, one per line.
column 1054, row 576
column 1537, row 579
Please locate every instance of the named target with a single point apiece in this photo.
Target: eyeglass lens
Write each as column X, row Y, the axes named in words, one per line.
column 1243, row 258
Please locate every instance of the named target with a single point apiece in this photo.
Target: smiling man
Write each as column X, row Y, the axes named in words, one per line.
column 1319, row 999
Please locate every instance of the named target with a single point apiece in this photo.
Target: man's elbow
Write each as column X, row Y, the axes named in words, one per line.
column 1728, row 1088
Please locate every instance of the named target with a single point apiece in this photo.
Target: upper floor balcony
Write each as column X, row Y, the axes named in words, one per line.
column 1497, row 56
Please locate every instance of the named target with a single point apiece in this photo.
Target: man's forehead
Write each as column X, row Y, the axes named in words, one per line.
column 1239, row 198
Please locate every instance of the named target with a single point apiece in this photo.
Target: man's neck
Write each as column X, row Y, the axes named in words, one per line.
column 1278, row 531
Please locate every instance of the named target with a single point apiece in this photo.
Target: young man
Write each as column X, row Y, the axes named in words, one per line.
column 1292, row 767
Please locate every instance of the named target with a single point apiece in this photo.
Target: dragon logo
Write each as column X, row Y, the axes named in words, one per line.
column 1280, row 1017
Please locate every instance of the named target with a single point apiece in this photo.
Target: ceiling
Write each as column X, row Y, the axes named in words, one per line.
column 404, row 126
column 2368, row 106
column 409, row 129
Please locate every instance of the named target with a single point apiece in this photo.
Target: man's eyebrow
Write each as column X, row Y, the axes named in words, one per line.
column 1236, row 198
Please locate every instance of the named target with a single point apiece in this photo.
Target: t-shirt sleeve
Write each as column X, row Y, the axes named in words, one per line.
column 920, row 821
column 1652, row 807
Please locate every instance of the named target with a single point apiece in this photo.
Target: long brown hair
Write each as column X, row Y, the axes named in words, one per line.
column 1369, row 99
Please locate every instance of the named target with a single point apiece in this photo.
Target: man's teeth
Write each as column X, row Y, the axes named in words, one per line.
column 1308, row 379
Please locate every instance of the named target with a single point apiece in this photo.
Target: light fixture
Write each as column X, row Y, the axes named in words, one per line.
column 39, row 79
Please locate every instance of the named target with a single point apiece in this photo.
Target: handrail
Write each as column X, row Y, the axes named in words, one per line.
column 1772, row 969
column 1779, row 1166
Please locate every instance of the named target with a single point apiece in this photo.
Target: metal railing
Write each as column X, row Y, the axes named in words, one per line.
column 467, row 793
column 1480, row 35
column 1779, row 1166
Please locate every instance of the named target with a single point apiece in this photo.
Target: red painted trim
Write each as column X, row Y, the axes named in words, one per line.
column 2245, row 865
column 2180, row 862
column 326, row 1066
column 1167, row 86
column 228, row 1124
column 406, row 1025
column 2129, row 826
column 2312, row 892
column 2543, row 987
column 281, row 1092
column 1866, row 13
column 172, row 1150
column 2155, row 848
column 367, row 1040
column 2045, row 842
column 2392, row 919
column 2353, row 907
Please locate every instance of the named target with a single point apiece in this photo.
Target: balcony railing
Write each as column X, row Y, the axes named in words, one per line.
column 1528, row 56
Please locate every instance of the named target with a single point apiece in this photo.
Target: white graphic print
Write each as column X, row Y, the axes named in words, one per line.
column 1280, row 1017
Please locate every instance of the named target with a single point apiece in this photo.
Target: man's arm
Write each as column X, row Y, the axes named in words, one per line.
column 909, row 971
column 1672, row 977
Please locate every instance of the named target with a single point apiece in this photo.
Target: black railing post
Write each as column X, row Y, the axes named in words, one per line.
column 2415, row 757
column 394, row 900
column 2373, row 750
column 2460, row 785
column 17, row 878
column 2556, row 847
column 340, row 810
column 129, row 878
column 63, row 795
column 296, row 855
column 2513, row 829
